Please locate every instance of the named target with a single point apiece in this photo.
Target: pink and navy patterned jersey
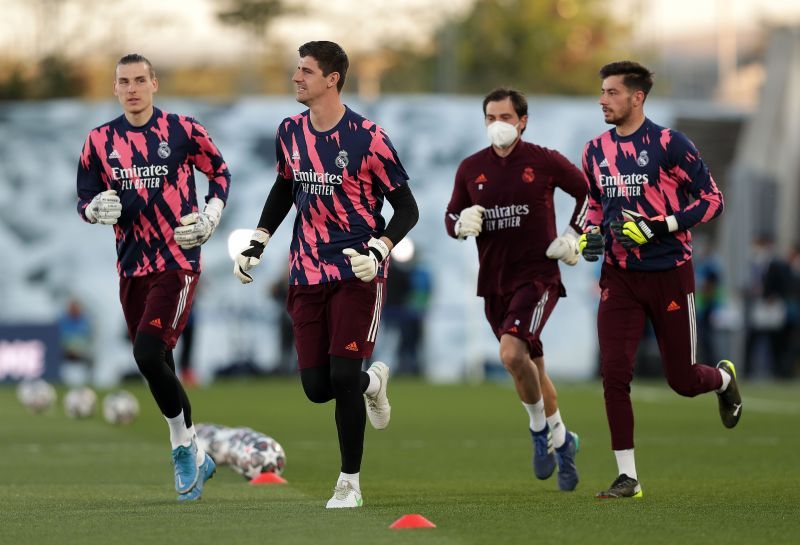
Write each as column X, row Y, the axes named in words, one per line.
column 519, row 222
column 656, row 172
column 152, row 169
column 339, row 179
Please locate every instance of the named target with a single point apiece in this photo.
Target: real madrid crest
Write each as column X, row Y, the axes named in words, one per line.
column 643, row 159
column 342, row 160
column 163, row 150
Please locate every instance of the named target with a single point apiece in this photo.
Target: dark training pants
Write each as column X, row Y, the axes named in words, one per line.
column 667, row 298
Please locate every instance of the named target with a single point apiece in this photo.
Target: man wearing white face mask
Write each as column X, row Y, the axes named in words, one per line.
column 503, row 196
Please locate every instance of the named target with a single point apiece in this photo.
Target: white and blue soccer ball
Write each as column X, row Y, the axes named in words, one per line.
column 253, row 453
column 80, row 402
column 36, row 395
column 120, row 408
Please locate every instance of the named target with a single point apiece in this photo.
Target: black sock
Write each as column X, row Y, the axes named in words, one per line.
column 351, row 415
column 187, row 408
column 150, row 354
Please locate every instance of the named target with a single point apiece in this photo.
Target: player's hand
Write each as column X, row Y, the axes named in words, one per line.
column 637, row 229
column 564, row 248
column 250, row 257
column 105, row 208
column 196, row 228
column 365, row 262
column 590, row 244
column 470, row 222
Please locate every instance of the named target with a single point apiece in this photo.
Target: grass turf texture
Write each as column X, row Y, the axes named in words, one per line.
column 459, row 455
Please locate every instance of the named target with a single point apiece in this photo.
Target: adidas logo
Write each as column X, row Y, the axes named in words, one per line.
column 673, row 306
column 295, row 155
column 156, row 322
column 113, row 155
column 604, row 163
column 353, row 347
column 481, row 179
column 514, row 329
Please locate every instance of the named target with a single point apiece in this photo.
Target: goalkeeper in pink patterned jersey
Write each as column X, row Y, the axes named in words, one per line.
column 136, row 173
column 337, row 168
column 503, row 196
column 647, row 187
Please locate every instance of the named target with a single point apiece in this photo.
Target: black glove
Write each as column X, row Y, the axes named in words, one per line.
column 590, row 244
column 638, row 229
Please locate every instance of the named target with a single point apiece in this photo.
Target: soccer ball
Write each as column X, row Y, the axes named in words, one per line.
column 216, row 440
column 253, row 453
column 120, row 408
column 80, row 402
column 36, row 395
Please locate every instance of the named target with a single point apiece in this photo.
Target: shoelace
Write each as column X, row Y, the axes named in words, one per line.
column 342, row 490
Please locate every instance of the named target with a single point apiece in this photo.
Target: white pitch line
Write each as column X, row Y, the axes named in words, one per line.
column 650, row 394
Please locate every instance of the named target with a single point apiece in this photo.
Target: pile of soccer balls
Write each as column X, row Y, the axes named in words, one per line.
column 38, row 396
column 248, row 452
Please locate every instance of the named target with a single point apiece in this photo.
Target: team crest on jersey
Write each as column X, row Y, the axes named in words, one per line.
column 163, row 150
column 643, row 159
column 527, row 175
column 342, row 160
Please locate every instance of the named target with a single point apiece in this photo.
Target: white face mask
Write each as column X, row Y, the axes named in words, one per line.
column 502, row 134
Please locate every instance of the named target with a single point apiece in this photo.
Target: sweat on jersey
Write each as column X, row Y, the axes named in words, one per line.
column 519, row 222
column 656, row 172
column 339, row 178
column 151, row 169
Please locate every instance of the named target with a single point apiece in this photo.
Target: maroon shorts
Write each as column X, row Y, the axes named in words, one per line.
column 523, row 312
column 339, row 318
column 158, row 304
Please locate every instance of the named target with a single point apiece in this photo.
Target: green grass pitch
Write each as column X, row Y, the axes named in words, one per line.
column 459, row 455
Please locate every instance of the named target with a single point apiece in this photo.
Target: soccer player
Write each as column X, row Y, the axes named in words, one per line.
column 503, row 196
column 647, row 187
column 136, row 173
column 337, row 168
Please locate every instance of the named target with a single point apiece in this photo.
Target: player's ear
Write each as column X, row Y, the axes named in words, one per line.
column 523, row 122
column 155, row 84
column 333, row 79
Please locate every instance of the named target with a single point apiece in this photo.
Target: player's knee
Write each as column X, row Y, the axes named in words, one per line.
column 316, row 384
column 149, row 353
column 514, row 360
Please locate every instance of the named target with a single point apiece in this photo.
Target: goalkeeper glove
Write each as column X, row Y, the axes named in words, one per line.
column 196, row 228
column 250, row 257
column 590, row 244
column 470, row 222
column 564, row 247
column 105, row 208
column 637, row 229
column 365, row 262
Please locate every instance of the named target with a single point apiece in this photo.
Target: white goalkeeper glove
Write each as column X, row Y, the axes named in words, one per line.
column 250, row 257
column 470, row 222
column 105, row 208
column 565, row 247
column 365, row 262
column 196, row 228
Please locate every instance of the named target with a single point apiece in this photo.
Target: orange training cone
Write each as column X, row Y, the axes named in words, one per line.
column 411, row 521
column 268, row 478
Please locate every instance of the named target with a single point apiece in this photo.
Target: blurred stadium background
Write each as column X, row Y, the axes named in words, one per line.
column 729, row 77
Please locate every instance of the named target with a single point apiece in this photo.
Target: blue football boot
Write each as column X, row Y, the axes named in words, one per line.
column 565, row 455
column 544, row 459
column 185, row 461
column 204, row 473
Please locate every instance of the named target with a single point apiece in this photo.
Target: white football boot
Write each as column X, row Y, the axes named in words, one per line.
column 344, row 497
column 378, row 408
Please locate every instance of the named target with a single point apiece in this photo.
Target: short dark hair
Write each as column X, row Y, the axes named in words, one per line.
column 518, row 99
column 135, row 58
column 634, row 75
column 331, row 58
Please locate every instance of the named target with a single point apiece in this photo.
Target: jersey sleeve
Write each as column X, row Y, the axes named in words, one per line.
column 387, row 171
column 459, row 200
column 594, row 206
column 89, row 181
column 208, row 159
column 688, row 168
column 570, row 179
